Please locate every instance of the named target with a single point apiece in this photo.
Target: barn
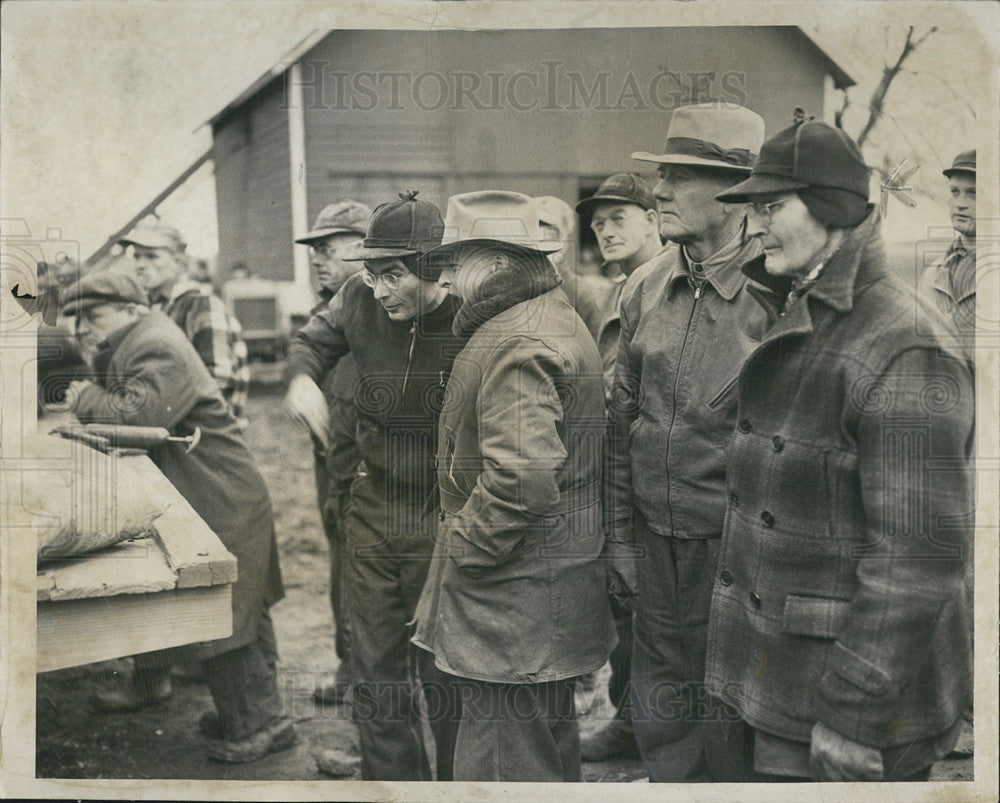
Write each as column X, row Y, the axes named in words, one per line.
column 365, row 114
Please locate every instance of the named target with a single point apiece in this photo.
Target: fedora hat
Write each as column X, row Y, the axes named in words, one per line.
column 401, row 228
column 344, row 217
column 492, row 217
column 711, row 135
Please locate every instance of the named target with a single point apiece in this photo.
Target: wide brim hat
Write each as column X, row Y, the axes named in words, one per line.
column 965, row 162
column 344, row 217
column 809, row 154
column 491, row 218
column 401, row 228
column 108, row 286
column 718, row 135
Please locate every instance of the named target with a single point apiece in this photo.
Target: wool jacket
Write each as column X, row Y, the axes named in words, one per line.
column 516, row 591
column 148, row 374
column 838, row 595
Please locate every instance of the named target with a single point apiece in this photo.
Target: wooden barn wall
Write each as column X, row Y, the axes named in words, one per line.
column 366, row 142
column 372, row 153
column 253, row 189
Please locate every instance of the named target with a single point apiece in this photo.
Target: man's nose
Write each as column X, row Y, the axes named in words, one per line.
column 756, row 225
column 663, row 190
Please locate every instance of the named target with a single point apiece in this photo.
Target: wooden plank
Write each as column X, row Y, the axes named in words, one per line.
column 132, row 567
column 193, row 551
column 74, row 632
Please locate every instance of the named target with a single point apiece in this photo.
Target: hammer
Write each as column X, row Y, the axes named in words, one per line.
column 116, row 437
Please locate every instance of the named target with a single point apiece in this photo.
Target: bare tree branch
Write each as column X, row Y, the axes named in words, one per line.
column 877, row 102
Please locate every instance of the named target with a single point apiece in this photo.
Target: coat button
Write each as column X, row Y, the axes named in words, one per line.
column 734, row 499
column 745, row 425
column 768, row 518
column 726, row 577
column 754, row 600
column 778, row 443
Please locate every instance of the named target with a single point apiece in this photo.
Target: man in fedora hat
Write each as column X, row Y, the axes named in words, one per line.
column 338, row 229
column 515, row 606
column 396, row 320
column 162, row 265
column 951, row 280
column 687, row 322
column 839, row 629
column 148, row 374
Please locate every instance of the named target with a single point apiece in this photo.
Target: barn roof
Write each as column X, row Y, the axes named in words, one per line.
column 841, row 78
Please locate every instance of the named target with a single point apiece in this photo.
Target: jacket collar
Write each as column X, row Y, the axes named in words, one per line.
column 501, row 291
column 721, row 269
column 858, row 262
column 106, row 348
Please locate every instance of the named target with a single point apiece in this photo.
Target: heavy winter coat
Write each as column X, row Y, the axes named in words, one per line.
column 839, row 591
column 148, row 374
column 516, row 592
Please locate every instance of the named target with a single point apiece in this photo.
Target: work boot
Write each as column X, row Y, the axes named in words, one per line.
column 336, row 690
column 143, row 688
column 337, row 763
column 614, row 740
column 277, row 736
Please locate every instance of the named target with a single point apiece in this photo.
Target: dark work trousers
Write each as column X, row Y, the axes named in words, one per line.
column 390, row 538
column 518, row 732
column 668, row 657
column 621, row 661
column 244, row 684
column 335, row 469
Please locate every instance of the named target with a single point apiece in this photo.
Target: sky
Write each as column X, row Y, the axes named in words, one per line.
column 104, row 103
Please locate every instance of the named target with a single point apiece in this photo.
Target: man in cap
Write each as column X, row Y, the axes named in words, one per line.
column 951, row 280
column 396, row 321
column 622, row 215
column 839, row 629
column 148, row 374
column 687, row 322
column 161, row 263
column 338, row 230
column 515, row 606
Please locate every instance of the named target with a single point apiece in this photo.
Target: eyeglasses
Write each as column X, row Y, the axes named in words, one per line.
column 764, row 210
column 390, row 280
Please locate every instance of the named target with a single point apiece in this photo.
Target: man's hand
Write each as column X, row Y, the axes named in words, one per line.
column 75, row 388
column 836, row 758
column 622, row 572
column 307, row 405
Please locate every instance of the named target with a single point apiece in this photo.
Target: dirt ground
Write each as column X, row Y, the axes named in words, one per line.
column 163, row 741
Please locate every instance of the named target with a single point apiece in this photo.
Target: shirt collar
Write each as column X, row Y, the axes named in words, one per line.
column 721, row 269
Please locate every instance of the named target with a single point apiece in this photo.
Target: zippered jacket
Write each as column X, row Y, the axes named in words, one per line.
column 673, row 405
column 403, row 367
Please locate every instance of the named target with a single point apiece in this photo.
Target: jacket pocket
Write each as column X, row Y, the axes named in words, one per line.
column 815, row 616
column 724, row 392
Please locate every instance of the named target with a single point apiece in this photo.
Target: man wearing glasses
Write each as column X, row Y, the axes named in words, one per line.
column 687, row 322
column 338, row 230
column 397, row 323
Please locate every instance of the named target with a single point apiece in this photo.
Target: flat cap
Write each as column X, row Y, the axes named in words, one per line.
column 343, row 217
column 624, row 187
column 155, row 234
column 109, row 286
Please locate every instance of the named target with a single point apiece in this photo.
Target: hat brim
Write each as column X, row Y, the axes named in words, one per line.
column 760, row 184
column 971, row 171
column 362, row 253
column 151, row 242
column 540, row 247
column 321, row 234
column 586, row 204
column 683, row 159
